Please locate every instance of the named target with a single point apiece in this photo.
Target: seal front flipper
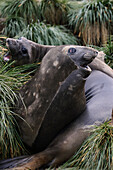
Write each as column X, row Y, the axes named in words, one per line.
column 64, row 108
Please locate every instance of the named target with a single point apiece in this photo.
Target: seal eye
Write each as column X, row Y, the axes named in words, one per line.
column 24, row 50
column 71, row 51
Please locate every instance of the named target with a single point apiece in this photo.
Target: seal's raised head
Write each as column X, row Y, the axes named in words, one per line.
column 18, row 50
column 25, row 51
column 81, row 55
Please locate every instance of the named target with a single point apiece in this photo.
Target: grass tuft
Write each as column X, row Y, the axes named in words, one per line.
column 92, row 22
column 48, row 35
column 54, row 11
column 13, row 25
column 27, row 9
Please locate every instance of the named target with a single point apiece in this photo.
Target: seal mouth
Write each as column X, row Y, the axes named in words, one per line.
column 85, row 71
column 86, row 68
column 7, row 56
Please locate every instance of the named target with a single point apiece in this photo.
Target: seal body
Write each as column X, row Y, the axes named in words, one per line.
column 39, row 93
column 42, row 92
column 46, row 93
column 98, row 91
column 99, row 99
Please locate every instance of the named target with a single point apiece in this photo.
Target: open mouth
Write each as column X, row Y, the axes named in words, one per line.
column 86, row 67
column 7, row 56
column 85, row 71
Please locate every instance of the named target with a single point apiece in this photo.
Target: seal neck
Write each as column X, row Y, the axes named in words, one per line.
column 39, row 51
column 42, row 50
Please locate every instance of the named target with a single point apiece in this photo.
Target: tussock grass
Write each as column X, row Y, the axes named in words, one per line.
column 54, row 11
column 48, row 35
column 92, row 22
column 13, row 25
column 27, row 9
column 18, row 14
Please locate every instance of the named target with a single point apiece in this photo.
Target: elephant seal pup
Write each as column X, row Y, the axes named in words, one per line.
column 25, row 51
